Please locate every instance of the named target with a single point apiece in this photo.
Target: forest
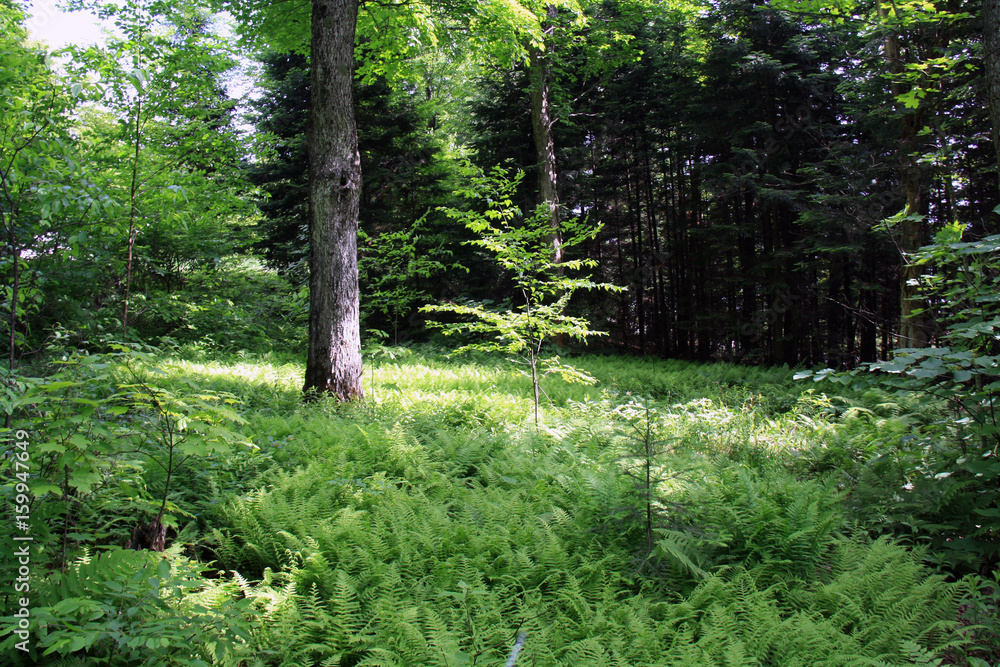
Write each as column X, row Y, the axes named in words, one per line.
column 502, row 332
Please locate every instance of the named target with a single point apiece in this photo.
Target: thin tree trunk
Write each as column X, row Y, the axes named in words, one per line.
column 542, row 121
column 635, row 227
column 625, row 317
column 334, row 363
column 914, row 327
column 15, row 256
column 545, row 150
column 991, row 57
column 133, row 212
column 750, row 322
column 653, row 262
column 837, row 343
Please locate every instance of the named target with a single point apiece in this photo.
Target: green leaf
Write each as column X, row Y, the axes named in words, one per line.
column 80, row 441
column 83, row 480
column 54, row 447
column 990, row 512
column 163, row 570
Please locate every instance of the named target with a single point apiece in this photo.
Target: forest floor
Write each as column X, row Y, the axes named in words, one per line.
column 670, row 514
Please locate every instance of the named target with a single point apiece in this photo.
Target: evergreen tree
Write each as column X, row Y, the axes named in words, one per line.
column 280, row 170
column 407, row 177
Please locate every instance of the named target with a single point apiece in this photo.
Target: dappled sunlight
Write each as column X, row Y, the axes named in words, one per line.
column 287, row 376
column 438, row 492
column 566, row 334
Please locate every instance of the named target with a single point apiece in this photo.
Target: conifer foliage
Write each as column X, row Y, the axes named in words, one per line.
column 790, row 184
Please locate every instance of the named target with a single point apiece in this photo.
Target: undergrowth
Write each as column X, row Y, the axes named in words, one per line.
column 432, row 524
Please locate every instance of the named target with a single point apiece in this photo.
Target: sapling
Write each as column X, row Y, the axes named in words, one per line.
column 170, row 428
column 645, row 444
column 543, row 287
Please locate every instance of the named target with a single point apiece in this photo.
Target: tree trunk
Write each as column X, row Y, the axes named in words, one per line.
column 133, row 212
column 914, row 326
column 991, row 56
column 15, row 286
column 545, row 146
column 545, row 149
column 334, row 363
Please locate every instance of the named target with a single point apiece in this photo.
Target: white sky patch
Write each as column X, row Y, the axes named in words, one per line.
column 57, row 28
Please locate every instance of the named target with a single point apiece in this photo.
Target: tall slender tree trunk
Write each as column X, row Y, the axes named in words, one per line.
column 15, row 286
column 542, row 121
column 991, row 56
column 334, row 363
column 653, row 263
column 746, row 245
column 914, row 325
column 638, row 253
column 133, row 213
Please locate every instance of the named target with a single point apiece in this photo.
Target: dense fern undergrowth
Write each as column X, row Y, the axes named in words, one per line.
column 671, row 514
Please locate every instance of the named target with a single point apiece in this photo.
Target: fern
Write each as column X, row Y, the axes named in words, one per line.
column 734, row 516
column 685, row 552
column 429, row 527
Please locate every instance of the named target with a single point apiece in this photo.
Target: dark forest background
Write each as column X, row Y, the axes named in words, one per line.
column 761, row 178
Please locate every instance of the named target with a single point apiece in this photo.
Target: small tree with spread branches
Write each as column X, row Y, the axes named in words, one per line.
column 543, row 287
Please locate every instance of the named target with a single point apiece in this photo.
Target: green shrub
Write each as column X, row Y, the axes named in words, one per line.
column 947, row 482
column 128, row 607
column 232, row 304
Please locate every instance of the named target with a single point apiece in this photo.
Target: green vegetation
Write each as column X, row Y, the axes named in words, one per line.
column 761, row 239
column 544, row 290
column 431, row 523
column 949, row 473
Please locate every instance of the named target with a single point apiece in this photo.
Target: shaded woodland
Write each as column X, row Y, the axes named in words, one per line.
column 761, row 177
column 747, row 167
column 635, row 333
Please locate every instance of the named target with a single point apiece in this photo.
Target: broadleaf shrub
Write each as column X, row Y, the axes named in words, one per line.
column 127, row 607
column 950, row 489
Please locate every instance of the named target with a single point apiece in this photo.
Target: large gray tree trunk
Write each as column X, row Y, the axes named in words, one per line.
column 334, row 363
column 991, row 42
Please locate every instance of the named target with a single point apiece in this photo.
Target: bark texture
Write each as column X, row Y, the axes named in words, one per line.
column 542, row 121
column 334, row 363
column 545, row 146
